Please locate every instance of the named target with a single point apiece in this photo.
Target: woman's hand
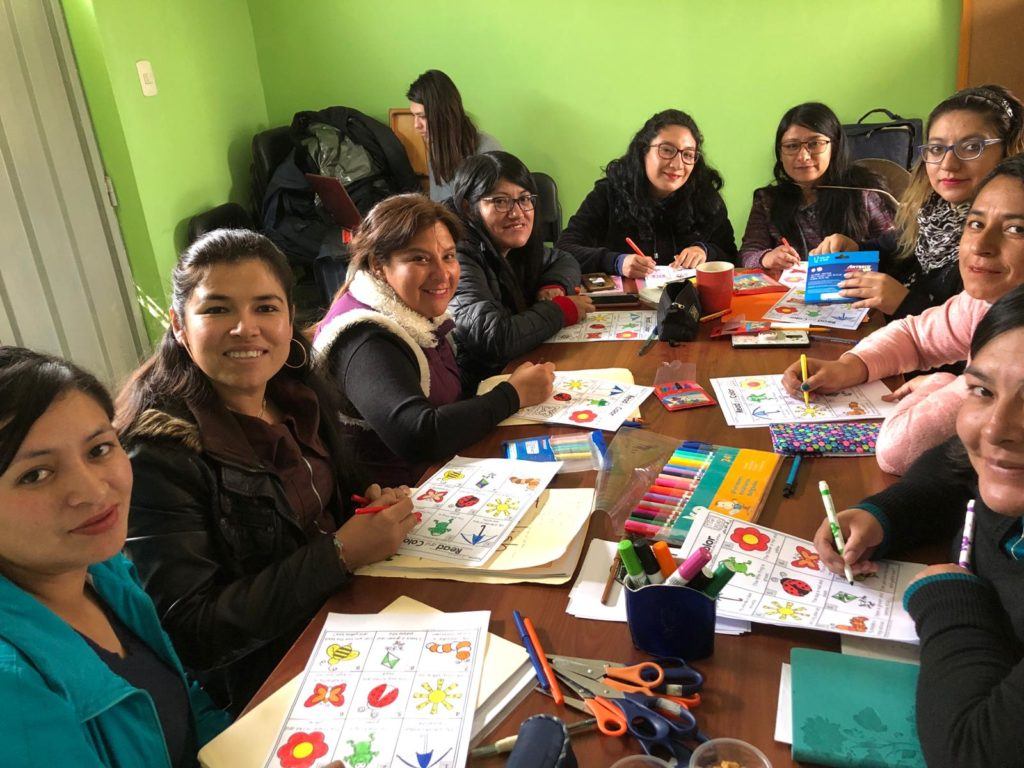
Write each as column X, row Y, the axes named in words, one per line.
column 366, row 539
column 546, row 294
column 825, row 376
column 835, row 244
column 781, row 257
column 935, row 380
column 583, row 305
column 863, row 534
column 874, row 289
column 689, row 258
column 934, row 570
column 637, row 266
column 533, row 383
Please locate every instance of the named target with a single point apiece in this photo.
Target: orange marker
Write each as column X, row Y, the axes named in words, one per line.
column 635, row 247
column 666, row 563
column 556, row 692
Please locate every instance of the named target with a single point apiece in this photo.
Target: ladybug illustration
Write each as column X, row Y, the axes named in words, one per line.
column 796, row 587
column 466, row 501
column 563, row 397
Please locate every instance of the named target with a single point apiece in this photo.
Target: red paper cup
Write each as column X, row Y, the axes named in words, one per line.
column 714, row 286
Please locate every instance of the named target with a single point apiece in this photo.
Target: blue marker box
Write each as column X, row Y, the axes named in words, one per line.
column 825, row 271
column 671, row 621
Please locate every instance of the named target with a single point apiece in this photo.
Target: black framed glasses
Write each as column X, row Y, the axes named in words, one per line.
column 966, row 149
column 814, row 146
column 668, row 152
column 504, row 204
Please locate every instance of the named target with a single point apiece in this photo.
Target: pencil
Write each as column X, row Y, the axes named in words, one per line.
column 803, row 373
column 833, row 523
column 556, row 692
column 714, row 315
column 612, row 573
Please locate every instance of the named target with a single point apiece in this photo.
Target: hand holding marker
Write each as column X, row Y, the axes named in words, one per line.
column 833, row 524
column 964, row 560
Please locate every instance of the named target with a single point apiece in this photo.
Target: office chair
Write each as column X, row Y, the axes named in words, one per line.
column 226, row 216
column 549, row 210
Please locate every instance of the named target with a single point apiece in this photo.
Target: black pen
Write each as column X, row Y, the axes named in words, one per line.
column 649, row 343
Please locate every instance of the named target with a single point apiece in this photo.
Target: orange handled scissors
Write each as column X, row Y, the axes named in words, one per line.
column 638, row 677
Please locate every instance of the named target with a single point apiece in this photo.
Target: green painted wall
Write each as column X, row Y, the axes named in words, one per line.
column 566, row 83
column 185, row 149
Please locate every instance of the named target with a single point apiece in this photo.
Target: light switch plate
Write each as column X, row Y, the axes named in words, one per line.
column 146, row 77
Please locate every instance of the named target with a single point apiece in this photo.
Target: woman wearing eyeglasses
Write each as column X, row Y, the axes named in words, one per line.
column 663, row 195
column 968, row 134
column 386, row 342
column 790, row 217
column 514, row 293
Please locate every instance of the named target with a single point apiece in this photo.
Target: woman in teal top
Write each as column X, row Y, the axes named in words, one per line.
column 87, row 676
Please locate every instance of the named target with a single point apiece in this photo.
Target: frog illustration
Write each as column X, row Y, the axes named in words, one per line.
column 735, row 565
column 440, row 527
column 362, row 753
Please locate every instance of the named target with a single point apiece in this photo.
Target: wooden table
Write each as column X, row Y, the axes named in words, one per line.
column 741, row 691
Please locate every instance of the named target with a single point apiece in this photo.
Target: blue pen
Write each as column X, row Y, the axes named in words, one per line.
column 542, row 679
column 634, row 424
column 696, row 445
column 788, row 488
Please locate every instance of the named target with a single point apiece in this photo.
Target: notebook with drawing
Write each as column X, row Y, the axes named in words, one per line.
column 336, row 200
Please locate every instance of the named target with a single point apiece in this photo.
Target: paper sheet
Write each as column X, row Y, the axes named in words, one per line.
column 784, row 714
column 663, row 274
column 545, row 545
column 386, row 688
column 758, row 401
column 585, row 402
column 780, row 580
column 626, row 325
column 585, row 596
column 470, row 506
column 792, row 309
column 616, row 375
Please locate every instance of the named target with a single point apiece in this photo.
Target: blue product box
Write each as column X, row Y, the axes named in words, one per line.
column 825, row 271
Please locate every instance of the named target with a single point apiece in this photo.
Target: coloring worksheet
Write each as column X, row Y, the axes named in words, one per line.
column 792, row 309
column 389, row 690
column 581, row 402
column 662, row 275
column 757, row 401
column 470, row 506
column 610, row 326
column 795, row 276
column 780, row 579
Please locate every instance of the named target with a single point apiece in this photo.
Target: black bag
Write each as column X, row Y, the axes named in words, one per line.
column 895, row 140
column 678, row 312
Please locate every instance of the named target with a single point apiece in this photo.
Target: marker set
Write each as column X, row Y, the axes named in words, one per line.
column 700, row 476
column 644, row 565
column 578, row 451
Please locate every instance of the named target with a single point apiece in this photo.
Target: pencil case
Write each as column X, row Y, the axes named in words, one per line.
column 578, row 451
column 671, row 621
column 847, row 438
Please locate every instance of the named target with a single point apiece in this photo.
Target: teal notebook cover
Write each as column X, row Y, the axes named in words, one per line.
column 854, row 711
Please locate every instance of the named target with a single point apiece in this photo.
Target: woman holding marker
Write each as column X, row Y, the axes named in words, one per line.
column 968, row 134
column 514, row 293
column 790, row 217
column 240, row 525
column 970, row 620
column 662, row 194
column 386, row 341
column 991, row 258
column 450, row 135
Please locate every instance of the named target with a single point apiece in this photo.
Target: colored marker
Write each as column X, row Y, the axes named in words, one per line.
column 968, row 539
column 635, row 248
column 788, row 488
column 833, row 523
column 785, row 242
column 723, row 573
column 649, row 562
column 369, row 510
column 556, row 691
column 665, row 560
column 702, row 579
column 641, row 529
column 803, row 373
column 360, row 499
column 691, row 567
column 636, row 577
column 517, row 617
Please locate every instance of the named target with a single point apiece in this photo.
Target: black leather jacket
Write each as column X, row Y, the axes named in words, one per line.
column 234, row 577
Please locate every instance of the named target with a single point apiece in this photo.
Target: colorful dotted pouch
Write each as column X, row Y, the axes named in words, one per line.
column 848, row 438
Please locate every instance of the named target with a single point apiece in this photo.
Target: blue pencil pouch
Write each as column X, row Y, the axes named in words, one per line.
column 578, row 451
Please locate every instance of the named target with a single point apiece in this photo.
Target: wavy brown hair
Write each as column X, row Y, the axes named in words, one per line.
column 451, row 134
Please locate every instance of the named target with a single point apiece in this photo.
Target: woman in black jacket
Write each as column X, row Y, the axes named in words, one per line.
column 514, row 293
column 240, row 525
column 663, row 194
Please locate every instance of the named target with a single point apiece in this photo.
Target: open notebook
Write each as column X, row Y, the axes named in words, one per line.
column 507, row 679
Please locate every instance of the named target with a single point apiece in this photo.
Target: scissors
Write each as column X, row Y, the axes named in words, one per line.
column 669, row 677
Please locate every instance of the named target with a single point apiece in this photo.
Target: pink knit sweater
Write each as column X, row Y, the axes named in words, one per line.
column 927, row 416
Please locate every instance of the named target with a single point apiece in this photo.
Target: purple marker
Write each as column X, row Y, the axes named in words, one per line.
column 965, row 544
column 691, row 567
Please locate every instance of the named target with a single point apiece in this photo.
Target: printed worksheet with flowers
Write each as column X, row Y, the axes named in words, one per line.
column 780, row 579
column 627, row 325
column 387, row 690
column 583, row 402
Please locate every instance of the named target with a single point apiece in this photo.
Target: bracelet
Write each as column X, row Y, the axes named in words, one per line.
column 341, row 553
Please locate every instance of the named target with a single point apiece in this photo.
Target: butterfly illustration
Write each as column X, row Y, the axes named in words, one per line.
column 335, row 695
column 807, row 559
column 431, row 495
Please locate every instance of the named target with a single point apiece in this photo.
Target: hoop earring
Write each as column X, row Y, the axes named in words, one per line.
column 305, row 356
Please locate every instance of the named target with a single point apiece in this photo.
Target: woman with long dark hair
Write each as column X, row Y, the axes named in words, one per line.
column 514, row 292
column 241, row 519
column 450, row 135
column 664, row 195
column 799, row 207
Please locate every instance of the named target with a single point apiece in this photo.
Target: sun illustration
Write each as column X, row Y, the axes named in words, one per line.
column 754, row 384
column 437, row 696
column 574, row 384
column 787, row 611
column 501, row 506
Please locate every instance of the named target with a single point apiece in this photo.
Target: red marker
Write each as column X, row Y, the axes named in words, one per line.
column 785, row 242
column 636, row 248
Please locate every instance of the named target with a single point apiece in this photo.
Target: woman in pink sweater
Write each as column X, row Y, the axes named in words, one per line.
column 991, row 264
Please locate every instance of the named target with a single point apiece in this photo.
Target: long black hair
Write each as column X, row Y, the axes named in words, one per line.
column 475, row 178
column 839, row 210
column 29, row 384
column 451, row 135
column 631, row 197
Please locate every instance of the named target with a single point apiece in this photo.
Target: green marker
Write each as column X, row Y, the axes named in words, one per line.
column 723, row 573
column 636, row 576
column 833, row 524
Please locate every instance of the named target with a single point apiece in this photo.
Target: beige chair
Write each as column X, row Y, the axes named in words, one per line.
column 895, row 176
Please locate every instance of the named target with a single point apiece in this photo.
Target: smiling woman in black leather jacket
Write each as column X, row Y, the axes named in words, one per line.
column 239, row 525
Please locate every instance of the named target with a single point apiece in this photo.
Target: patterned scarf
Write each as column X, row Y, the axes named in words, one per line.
column 940, row 225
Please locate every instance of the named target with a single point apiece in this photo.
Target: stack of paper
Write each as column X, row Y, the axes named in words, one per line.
column 585, row 596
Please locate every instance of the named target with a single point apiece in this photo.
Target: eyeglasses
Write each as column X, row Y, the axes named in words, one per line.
column 814, row 146
column 668, row 152
column 503, row 204
column 968, row 149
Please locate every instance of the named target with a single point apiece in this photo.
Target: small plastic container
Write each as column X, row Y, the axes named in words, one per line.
column 728, row 753
column 671, row 621
column 578, row 451
column 641, row 761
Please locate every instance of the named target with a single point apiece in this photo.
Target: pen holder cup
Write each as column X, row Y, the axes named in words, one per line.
column 671, row 621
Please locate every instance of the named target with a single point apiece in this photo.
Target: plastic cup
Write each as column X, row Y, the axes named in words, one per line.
column 714, row 286
column 712, row 754
column 641, row 761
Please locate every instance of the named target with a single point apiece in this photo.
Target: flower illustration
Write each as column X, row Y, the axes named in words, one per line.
column 751, row 539
column 582, row 417
column 302, row 750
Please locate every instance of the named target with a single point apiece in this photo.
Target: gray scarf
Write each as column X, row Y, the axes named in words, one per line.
column 940, row 225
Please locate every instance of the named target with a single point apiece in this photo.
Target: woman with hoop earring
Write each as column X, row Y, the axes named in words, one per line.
column 241, row 522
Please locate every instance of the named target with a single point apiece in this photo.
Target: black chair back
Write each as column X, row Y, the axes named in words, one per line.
column 227, row 216
column 269, row 149
column 549, row 210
